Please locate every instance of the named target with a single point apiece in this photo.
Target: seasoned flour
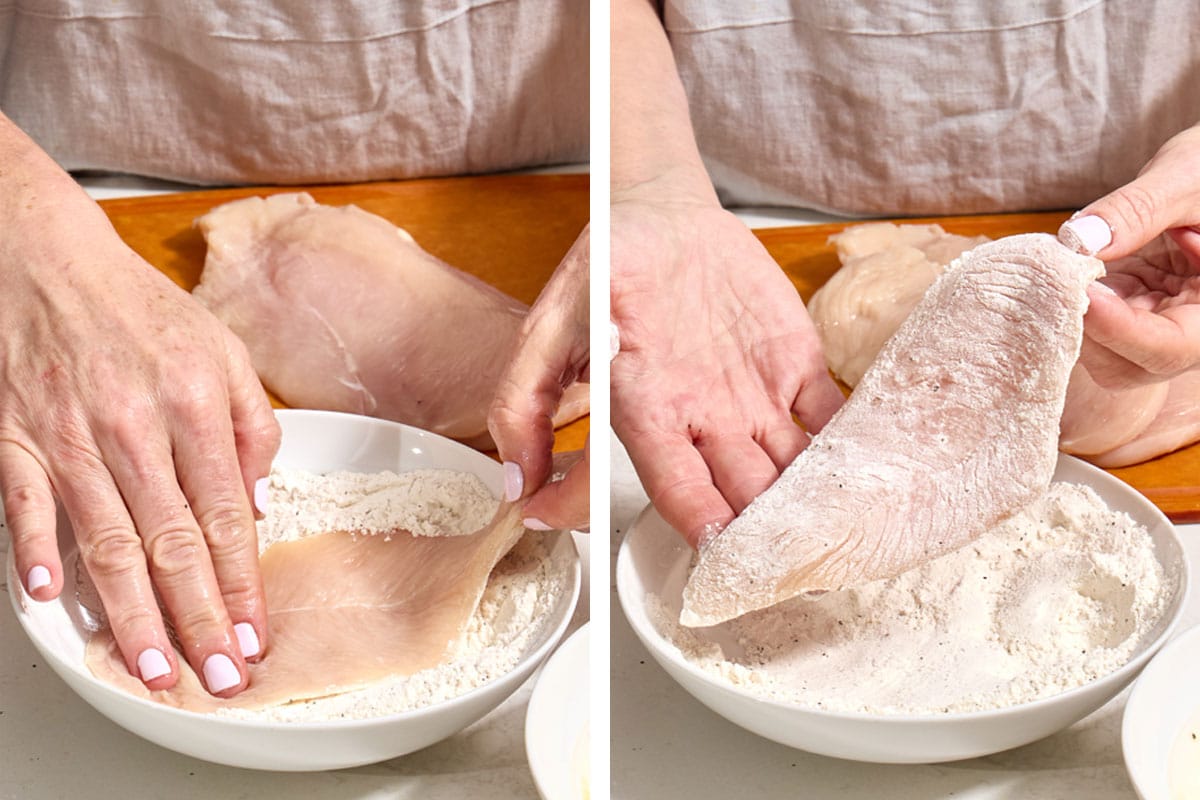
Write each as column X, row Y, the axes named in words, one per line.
column 425, row 502
column 521, row 592
column 1057, row 596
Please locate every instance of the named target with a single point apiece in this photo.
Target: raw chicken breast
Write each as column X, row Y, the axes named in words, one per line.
column 1175, row 424
column 342, row 310
column 953, row 428
column 1097, row 420
column 346, row 611
column 886, row 269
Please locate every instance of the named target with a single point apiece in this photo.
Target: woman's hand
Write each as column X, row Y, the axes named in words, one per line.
column 552, row 352
column 1148, row 328
column 134, row 407
column 1143, row 320
column 716, row 353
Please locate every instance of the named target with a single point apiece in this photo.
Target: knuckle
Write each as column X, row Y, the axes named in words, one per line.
column 197, row 399
column 503, row 412
column 111, row 551
column 241, row 599
column 1137, row 205
column 226, row 529
column 25, row 500
column 197, row 621
column 125, row 620
column 267, row 434
column 174, row 552
column 128, row 423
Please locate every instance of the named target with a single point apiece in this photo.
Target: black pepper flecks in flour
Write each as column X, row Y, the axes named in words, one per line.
column 1057, row 596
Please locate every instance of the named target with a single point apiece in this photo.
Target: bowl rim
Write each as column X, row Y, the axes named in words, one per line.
column 666, row 653
column 541, row 779
column 533, row 658
column 1141, row 688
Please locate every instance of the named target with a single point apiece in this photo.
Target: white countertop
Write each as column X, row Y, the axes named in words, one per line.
column 665, row 744
column 53, row 745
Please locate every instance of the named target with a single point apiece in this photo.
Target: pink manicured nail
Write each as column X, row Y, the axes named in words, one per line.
column 220, row 673
column 262, row 496
column 1101, row 288
column 535, row 524
column 514, row 481
column 1088, row 235
column 247, row 639
column 152, row 664
column 38, row 577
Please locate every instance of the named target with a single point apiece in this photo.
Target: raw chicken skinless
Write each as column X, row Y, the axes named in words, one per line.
column 341, row 310
column 345, row 611
column 886, row 268
column 953, row 428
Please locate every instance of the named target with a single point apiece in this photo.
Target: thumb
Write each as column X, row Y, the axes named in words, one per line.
column 1162, row 197
column 550, row 352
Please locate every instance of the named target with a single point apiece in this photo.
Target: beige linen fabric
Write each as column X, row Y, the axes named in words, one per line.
column 879, row 107
column 275, row 91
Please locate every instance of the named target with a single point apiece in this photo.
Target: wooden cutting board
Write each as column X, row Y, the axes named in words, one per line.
column 508, row 230
column 1172, row 482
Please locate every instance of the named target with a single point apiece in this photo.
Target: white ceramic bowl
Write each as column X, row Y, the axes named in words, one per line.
column 319, row 441
column 1164, row 699
column 556, row 724
column 654, row 560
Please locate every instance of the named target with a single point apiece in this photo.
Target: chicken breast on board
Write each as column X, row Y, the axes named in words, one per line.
column 886, row 269
column 341, row 310
column 953, row 428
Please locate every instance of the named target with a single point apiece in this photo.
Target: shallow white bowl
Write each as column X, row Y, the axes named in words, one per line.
column 319, row 441
column 1164, row 699
column 556, row 724
column 654, row 560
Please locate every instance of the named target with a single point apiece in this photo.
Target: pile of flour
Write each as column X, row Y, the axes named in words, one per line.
column 1053, row 598
column 521, row 592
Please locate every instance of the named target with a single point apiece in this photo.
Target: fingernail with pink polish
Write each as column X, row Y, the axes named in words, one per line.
column 262, row 495
column 514, row 481
column 152, row 664
column 535, row 524
column 247, row 639
column 1088, row 235
column 37, row 577
column 220, row 673
column 1101, row 288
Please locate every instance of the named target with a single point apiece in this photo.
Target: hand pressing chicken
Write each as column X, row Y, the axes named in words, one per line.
column 137, row 410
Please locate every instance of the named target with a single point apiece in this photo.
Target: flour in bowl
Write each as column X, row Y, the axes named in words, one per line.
column 1057, row 596
column 521, row 592
column 424, row 502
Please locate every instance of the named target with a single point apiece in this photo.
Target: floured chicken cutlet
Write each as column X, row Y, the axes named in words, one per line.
column 953, row 428
column 345, row 611
column 343, row 311
column 887, row 268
